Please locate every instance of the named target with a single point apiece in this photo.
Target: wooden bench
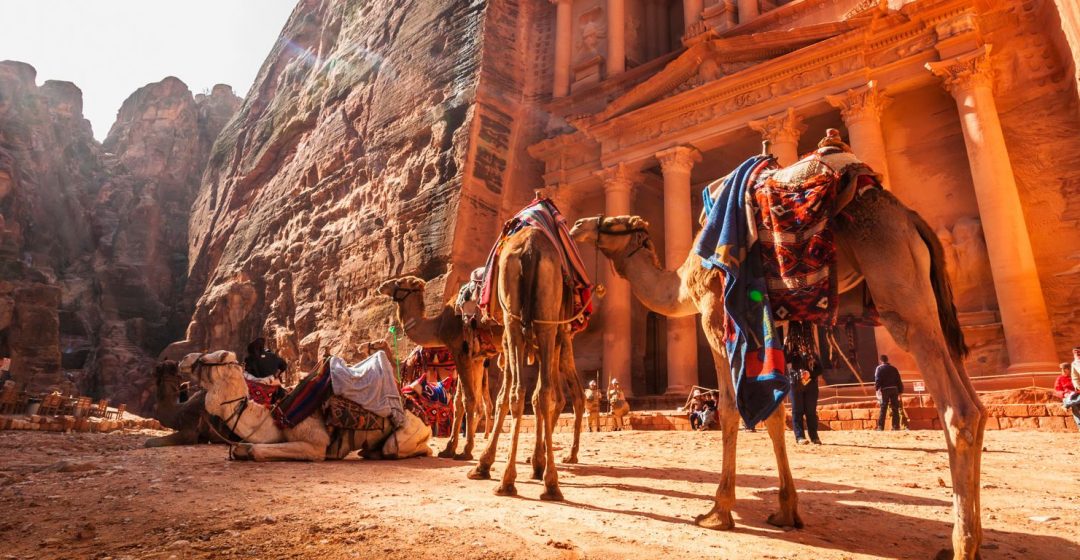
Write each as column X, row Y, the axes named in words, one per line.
column 118, row 412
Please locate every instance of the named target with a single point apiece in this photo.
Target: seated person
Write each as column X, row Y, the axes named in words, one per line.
column 262, row 371
column 1066, row 391
column 708, row 412
column 697, row 405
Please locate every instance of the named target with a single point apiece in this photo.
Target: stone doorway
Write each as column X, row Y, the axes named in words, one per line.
column 655, row 354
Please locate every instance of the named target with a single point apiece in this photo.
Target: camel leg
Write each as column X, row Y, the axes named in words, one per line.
column 719, row 517
column 898, row 267
column 788, row 516
column 515, row 349
column 182, row 437
column 455, row 425
column 549, row 391
column 470, row 393
column 487, row 405
column 568, row 370
column 539, row 458
column 482, row 471
column 289, row 451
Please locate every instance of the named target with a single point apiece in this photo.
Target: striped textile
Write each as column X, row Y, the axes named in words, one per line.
column 306, row 398
column 755, row 350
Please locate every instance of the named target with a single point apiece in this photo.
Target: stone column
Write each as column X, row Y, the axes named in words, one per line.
column 782, row 131
column 861, row 109
column 616, row 37
column 748, row 10
column 564, row 38
column 652, row 30
column 1016, row 280
column 691, row 14
column 676, row 163
column 618, row 186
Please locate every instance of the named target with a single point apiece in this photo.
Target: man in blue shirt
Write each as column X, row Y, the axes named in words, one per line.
column 889, row 387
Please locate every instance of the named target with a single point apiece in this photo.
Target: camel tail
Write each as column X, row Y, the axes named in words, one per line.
column 530, row 268
column 939, row 278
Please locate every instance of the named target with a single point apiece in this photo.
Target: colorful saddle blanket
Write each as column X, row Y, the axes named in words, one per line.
column 306, row 398
column 544, row 216
column 264, row 393
column 768, row 230
column 433, row 403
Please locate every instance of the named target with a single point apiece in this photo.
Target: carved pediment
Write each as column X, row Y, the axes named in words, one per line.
column 710, row 60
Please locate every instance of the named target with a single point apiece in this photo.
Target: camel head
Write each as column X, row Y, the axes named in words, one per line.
column 369, row 348
column 399, row 289
column 167, row 379
column 212, row 367
column 615, row 236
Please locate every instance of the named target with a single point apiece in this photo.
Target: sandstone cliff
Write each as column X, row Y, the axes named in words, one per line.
column 342, row 167
column 93, row 236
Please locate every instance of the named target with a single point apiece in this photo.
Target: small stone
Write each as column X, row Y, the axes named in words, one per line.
column 178, row 544
column 1043, row 518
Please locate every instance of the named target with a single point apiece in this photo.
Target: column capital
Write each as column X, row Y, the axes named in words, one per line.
column 618, row 177
column 679, row 159
column 965, row 72
column 866, row 102
column 781, row 127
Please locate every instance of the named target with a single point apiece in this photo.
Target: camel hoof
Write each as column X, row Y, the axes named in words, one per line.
column 506, row 490
column 480, row 473
column 570, row 460
column 781, row 520
column 463, row 457
column 446, row 454
column 716, row 520
column 242, row 452
column 552, row 495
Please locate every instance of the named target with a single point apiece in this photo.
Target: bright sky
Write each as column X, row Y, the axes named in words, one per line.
column 110, row 48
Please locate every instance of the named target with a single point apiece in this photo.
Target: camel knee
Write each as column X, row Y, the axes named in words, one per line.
column 966, row 422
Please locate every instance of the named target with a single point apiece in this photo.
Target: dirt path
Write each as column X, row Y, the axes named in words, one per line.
column 863, row 495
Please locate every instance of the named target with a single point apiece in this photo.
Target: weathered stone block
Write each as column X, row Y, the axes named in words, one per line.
column 1016, row 410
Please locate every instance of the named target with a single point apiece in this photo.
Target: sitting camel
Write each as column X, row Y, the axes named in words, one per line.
column 310, row 440
column 534, row 303
column 189, row 418
column 448, row 329
column 902, row 262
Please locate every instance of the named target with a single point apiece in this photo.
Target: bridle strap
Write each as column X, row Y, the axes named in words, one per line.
column 400, row 298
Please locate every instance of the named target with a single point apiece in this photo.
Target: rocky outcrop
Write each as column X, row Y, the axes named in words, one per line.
column 92, row 235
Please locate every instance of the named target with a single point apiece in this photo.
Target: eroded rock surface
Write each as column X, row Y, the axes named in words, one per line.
column 93, row 236
column 343, row 167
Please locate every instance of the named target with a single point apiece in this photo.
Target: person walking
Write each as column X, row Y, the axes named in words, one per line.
column 889, row 387
column 804, row 370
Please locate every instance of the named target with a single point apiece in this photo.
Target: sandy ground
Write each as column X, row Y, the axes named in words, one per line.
column 862, row 495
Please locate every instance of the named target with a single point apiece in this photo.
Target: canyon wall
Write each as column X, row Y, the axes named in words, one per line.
column 93, row 236
column 352, row 160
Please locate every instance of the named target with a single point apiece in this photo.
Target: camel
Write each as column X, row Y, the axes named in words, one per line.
column 262, row 440
column 534, row 303
column 189, row 418
column 901, row 260
column 447, row 329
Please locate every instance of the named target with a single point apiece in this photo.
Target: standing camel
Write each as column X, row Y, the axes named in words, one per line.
column 902, row 262
column 534, row 302
column 447, row 329
column 310, row 440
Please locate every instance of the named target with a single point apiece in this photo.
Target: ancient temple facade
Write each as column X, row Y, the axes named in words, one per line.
column 967, row 108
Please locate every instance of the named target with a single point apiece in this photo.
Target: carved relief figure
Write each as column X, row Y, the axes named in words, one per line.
column 592, row 34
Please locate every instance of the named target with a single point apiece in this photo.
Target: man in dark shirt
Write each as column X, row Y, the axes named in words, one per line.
column 263, row 363
column 888, row 385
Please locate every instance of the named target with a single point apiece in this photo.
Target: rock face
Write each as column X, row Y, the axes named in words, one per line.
column 94, row 235
column 351, row 161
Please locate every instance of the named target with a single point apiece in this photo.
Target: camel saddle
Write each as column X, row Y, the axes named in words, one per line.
column 479, row 340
